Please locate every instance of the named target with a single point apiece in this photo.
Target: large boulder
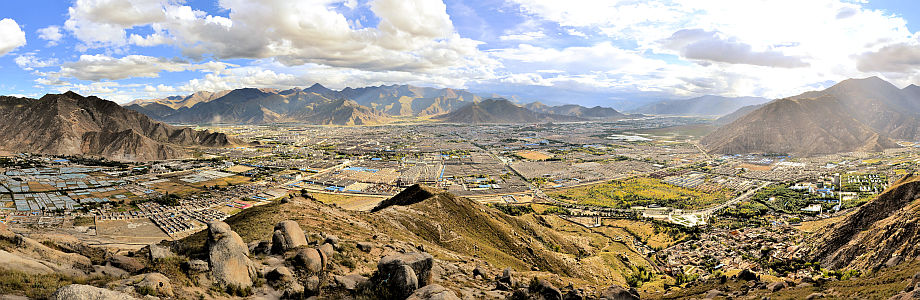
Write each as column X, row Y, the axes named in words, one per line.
column 287, row 236
column 433, row 292
column 153, row 284
column 125, row 263
column 401, row 282
column 310, row 259
column 327, row 249
column 280, row 277
column 158, row 252
column 544, row 290
column 350, row 282
column 420, row 263
column 616, row 292
column 504, row 281
column 86, row 292
column 229, row 257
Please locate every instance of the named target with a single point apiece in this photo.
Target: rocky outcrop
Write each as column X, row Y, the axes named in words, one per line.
column 544, row 290
column 287, row 236
column 310, row 259
column 433, row 292
column 229, row 257
column 152, row 284
column 86, row 292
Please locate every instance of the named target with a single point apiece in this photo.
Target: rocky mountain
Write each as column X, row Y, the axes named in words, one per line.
column 726, row 119
column 574, row 110
column 315, row 105
column 70, row 124
column 500, row 111
column 883, row 232
column 854, row 115
column 709, row 105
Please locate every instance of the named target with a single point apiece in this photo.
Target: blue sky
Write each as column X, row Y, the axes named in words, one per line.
column 576, row 51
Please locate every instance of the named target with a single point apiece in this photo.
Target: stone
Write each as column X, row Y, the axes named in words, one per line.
column 714, row 293
column 312, row 284
column 814, row 296
column 544, row 290
column 477, row 272
column 504, row 281
column 420, row 263
column 262, row 247
column 198, row 266
column 776, row 286
column 310, row 259
column 332, row 240
column 158, row 252
column 327, row 249
column 350, row 282
column 280, row 276
column 747, row 275
column 287, row 236
column 86, row 292
column 615, row 292
column 574, row 294
column 229, row 257
column 433, row 292
column 154, row 284
column 893, row 261
column 365, row 246
column 125, row 263
column 402, row 281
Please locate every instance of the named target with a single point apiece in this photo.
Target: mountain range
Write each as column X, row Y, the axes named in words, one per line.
column 492, row 111
column 354, row 106
column 853, row 115
column 709, row 105
column 70, row 124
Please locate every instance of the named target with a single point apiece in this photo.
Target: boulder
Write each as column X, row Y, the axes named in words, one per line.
column 776, row 286
column 332, row 240
column 574, row 294
column 350, row 282
column 420, row 263
column 714, row 293
column 814, row 296
column 893, row 261
column 747, row 275
column 310, row 259
column 365, row 246
column 229, row 257
column 86, row 292
column 615, row 292
column 153, row 284
column 327, row 249
column 262, row 247
column 477, row 272
column 433, row 292
column 158, row 252
column 312, row 284
column 544, row 290
column 504, row 281
column 125, row 263
column 287, row 236
column 402, row 281
column 198, row 266
column 280, row 276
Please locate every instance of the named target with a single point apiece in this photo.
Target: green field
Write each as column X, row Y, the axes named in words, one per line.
column 639, row 191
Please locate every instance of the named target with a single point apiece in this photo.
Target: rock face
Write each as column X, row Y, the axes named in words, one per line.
column 70, row 124
column 287, row 236
column 229, row 257
column 433, row 292
column 86, row 292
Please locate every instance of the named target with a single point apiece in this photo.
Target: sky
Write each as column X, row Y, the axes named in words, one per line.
column 606, row 52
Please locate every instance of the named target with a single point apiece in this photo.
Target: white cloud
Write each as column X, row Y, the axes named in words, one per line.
column 52, row 34
column 29, row 62
column 99, row 67
column 698, row 44
column 526, row 36
column 11, row 36
column 897, row 58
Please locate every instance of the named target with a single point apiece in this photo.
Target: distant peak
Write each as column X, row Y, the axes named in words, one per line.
column 317, row 86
